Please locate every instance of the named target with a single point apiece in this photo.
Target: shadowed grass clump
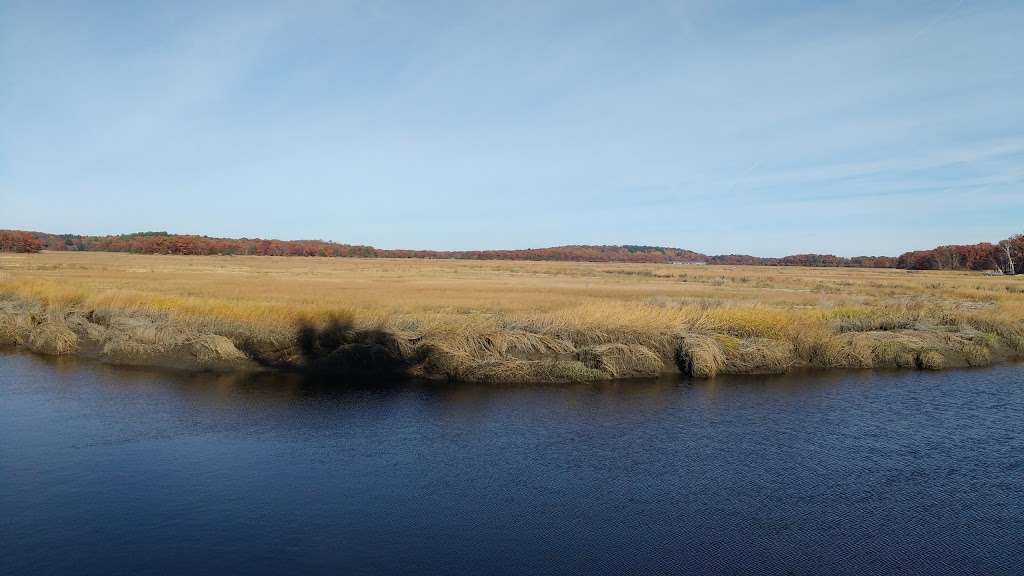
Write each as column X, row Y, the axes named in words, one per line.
column 700, row 356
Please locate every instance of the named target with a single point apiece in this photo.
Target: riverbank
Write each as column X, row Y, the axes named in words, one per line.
column 500, row 322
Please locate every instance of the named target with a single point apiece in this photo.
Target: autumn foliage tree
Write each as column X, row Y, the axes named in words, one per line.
column 18, row 241
column 1010, row 254
column 983, row 256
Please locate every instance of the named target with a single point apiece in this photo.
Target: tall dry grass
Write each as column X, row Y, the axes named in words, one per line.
column 498, row 320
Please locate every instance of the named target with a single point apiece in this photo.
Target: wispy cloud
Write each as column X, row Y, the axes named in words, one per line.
column 763, row 129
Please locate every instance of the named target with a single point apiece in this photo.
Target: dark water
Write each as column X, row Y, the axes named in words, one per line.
column 106, row 471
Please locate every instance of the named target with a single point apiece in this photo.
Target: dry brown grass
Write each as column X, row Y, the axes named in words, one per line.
column 497, row 320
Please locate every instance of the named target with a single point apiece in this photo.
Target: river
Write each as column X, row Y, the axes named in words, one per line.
column 114, row 471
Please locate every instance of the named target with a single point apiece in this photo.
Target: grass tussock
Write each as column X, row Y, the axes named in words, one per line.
column 17, row 321
column 52, row 335
column 502, row 321
column 700, row 356
column 760, row 356
column 931, row 360
column 622, row 360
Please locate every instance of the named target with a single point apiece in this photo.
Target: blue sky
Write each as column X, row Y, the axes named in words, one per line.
column 857, row 128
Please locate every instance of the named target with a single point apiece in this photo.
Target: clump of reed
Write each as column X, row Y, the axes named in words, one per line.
column 707, row 355
column 52, row 335
column 16, row 320
column 622, row 360
column 209, row 347
column 759, row 356
column 39, row 328
column 931, row 360
column 700, row 356
column 894, row 352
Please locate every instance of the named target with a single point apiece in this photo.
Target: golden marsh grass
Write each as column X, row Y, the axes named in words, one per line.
column 523, row 318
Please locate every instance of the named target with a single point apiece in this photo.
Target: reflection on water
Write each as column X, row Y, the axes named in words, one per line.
column 109, row 470
column 285, row 387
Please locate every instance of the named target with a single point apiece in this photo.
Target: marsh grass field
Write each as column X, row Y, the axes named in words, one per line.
column 502, row 321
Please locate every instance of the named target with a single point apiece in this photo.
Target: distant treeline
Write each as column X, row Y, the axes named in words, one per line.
column 18, row 241
column 1006, row 256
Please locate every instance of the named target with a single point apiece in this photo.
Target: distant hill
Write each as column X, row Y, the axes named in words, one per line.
column 983, row 256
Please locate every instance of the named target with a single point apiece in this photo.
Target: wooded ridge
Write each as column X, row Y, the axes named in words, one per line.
column 1006, row 256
